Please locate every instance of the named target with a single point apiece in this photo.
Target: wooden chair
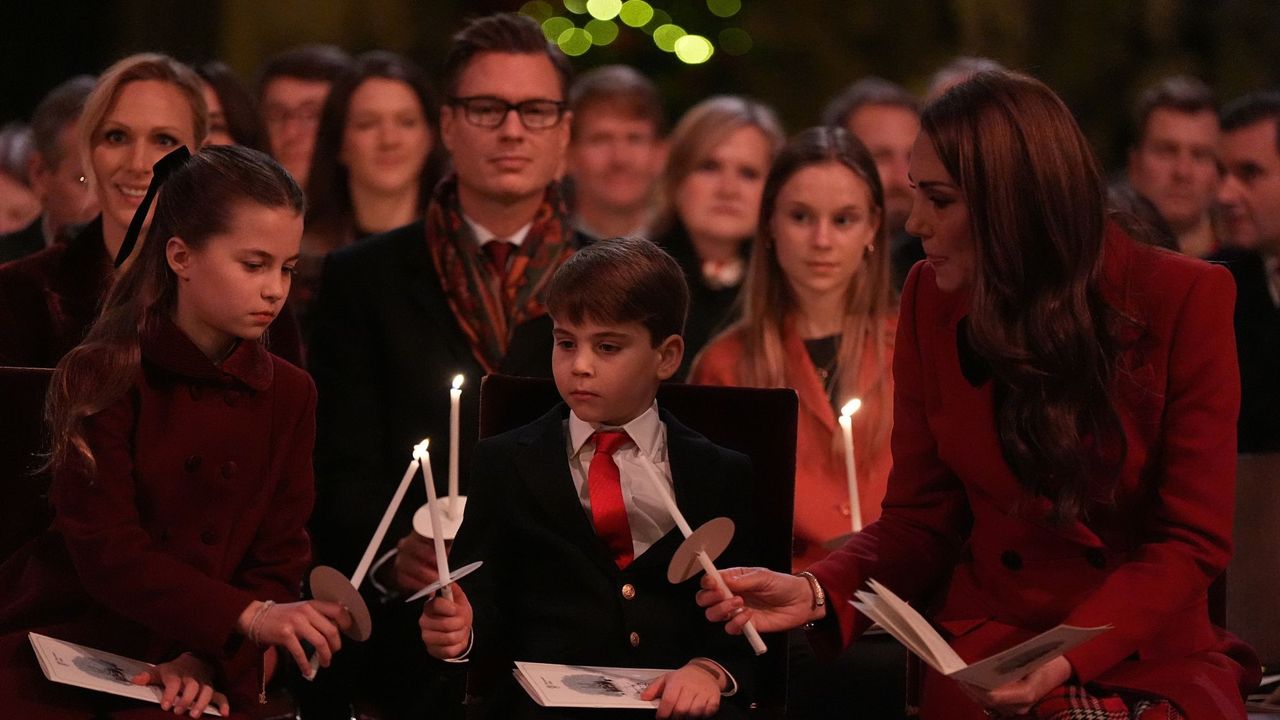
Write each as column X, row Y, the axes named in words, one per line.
column 760, row 423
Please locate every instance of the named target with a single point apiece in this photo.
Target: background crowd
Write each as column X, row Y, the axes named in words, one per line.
column 439, row 203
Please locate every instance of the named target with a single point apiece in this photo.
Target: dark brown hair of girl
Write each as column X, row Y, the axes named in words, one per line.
column 1037, row 215
column 195, row 203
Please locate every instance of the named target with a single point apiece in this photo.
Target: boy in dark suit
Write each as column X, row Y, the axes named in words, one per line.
column 574, row 536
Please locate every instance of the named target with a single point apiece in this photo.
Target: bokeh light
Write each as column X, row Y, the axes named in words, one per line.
column 735, row 41
column 554, row 27
column 577, row 7
column 724, row 8
column 693, row 49
column 665, row 36
column 539, row 10
column 574, row 42
column 636, row 13
column 602, row 32
column 660, row 18
column 604, row 9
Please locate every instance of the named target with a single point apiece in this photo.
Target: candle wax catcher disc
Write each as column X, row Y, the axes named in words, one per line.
column 454, row 577
column 422, row 518
column 332, row 586
column 713, row 537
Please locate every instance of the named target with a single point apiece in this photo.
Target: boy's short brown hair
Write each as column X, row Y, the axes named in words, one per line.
column 620, row 281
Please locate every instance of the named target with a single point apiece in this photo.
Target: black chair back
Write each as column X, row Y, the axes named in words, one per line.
column 759, row 423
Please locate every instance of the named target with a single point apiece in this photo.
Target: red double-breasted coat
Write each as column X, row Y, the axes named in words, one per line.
column 198, row 506
column 957, row 527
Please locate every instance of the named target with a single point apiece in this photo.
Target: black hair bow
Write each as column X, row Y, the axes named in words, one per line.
column 159, row 173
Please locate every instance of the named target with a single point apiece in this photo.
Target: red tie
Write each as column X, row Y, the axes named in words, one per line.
column 499, row 252
column 604, row 486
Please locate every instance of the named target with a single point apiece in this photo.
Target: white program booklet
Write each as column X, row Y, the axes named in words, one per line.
column 85, row 667
column 911, row 629
column 585, row 686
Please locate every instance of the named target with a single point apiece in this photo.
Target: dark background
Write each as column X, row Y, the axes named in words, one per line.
column 1098, row 54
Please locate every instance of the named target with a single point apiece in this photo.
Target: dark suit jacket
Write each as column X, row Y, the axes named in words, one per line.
column 384, row 348
column 711, row 309
column 549, row 590
column 21, row 243
column 49, row 300
column 1257, row 323
column 1149, row 541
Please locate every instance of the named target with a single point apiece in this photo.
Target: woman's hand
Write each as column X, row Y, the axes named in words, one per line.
column 415, row 563
column 690, row 692
column 772, row 600
column 315, row 622
column 446, row 624
column 1019, row 696
column 188, row 686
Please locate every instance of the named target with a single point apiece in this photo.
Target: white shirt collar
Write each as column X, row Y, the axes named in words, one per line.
column 645, row 431
column 483, row 235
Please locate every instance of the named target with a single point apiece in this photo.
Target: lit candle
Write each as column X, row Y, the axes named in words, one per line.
column 668, row 499
column 367, row 559
column 437, row 522
column 850, row 469
column 455, row 395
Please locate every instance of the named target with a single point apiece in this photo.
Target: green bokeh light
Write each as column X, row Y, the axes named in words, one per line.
column 554, row 27
column 694, row 49
column 604, row 9
column 665, row 37
column 539, row 10
column 578, row 7
column 735, row 41
column 636, row 13
column 660, row 18
column 602, row 32
column 724, row 8
column 574, row 42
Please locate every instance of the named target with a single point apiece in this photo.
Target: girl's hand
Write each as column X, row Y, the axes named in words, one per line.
column 772, row 600
column 446, row 625
column 315, row 622
column 188, row 686
column 1019, row 696
column 690, row 692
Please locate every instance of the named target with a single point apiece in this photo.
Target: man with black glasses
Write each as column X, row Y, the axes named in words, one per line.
column 398, row 315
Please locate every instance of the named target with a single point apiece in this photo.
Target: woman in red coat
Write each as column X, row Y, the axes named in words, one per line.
column 1064, row 435
column 818, row 317
column 181, row 462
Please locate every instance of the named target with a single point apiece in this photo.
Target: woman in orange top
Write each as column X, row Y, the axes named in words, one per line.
column 818, row 316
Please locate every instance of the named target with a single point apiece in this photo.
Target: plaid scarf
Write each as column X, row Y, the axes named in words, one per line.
column 1073, row 702
column 489, row 307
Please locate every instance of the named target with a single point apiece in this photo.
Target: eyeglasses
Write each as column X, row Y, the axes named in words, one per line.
column 490, row 112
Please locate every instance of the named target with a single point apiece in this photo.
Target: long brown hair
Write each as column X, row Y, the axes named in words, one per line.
column 767, row 301
column 195, row 203
column 1036, row 206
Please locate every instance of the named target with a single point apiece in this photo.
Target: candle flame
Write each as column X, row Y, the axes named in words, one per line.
column 457, row 382
column 850, row 407
column 421, row 448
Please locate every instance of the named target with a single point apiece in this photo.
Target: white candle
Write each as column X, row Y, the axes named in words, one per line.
column 851, row 469
column 455, row 395
column 367, row 559
column 437, row 522
column 668, row 499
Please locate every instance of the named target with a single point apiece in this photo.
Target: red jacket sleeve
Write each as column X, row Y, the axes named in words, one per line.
column 1188, row 531
column 914, row 544
column 117, row 561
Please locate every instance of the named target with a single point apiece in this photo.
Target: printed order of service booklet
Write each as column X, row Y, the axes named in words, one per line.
column 911, row 629
column 584, row 686
column 72, row 664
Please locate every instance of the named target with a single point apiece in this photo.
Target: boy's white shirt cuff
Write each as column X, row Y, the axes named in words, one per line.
column 471, row 642
column 733, row 682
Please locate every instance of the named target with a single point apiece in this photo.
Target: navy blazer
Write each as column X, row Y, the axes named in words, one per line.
column 549, row 590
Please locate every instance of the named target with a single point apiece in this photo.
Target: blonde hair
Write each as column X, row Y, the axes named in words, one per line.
column 143, row 66
column 767, row 302
column 703, row 128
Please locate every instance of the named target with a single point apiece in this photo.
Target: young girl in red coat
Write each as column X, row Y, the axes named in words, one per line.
column 181, row 459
